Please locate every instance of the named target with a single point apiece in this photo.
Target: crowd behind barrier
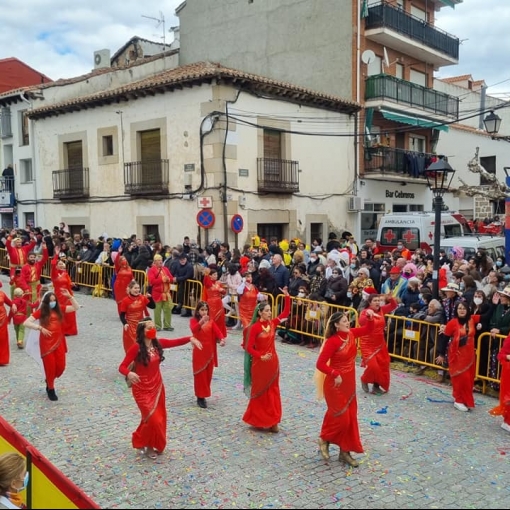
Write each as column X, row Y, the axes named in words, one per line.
column 409, row 340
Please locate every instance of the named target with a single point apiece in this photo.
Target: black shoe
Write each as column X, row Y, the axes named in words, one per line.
column 201, row 402
column 176, row 311
column 52, row 395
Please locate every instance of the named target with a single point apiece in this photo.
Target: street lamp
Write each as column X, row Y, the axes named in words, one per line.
column 492, row 123
column 439, row 177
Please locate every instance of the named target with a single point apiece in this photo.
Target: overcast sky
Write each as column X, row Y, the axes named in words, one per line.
column 59, row 37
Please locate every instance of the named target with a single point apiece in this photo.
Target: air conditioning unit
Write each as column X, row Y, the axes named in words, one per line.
column 356, row 203
column 5, row 198
column 102, row 59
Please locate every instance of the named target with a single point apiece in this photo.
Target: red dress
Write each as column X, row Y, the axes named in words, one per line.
column 504, row 389
column 215, row 291
column 247, row 304
column 5, row 352
column 135, row 309
column 149, row 395
column 340, row 424
column 374, row 351
column 206, row 359
column 62, row 281
column 53, row 348
column 124, row 276
column 264, row 407
column 462, row 360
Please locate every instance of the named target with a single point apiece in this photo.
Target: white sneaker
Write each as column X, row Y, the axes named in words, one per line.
column 460, row 407
column 505, row 426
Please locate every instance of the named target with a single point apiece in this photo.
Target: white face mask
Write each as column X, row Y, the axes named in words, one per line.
column 301, row 294
column 477, row 300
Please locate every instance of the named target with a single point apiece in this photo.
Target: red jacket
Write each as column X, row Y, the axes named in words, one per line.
column 160, row 279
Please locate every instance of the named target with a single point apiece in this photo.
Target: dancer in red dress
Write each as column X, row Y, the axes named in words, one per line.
column 147, row 385
column 503, row 409
column 206, row 359
column 248, row 295
column 52, row 341
column 461, row 355
column 5, row 352
column 132, row 310
column 374, row 351
column 336, row 381
column 18, row 254
column 262, row 368
column 123, row 277
column 213, row 294
column 62, row 284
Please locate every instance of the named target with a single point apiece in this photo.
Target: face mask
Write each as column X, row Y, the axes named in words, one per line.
column 150, row 333
column 384, row 273
column 462, row 286
column 420, row 296
column 349, row 295
column 499, row 263
column 25, row 483
column 353, row 266
column 400, row 247
column 478, row 300
column 301, row 294
column 334, row 275
column 313, row 259
column 53, row 304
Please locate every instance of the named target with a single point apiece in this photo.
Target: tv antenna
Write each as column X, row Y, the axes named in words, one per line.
column 160, row 21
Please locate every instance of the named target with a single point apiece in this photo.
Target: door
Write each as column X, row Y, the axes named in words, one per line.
column 150, row 151
column 72, row 180
column 272, row 155
column 268, row 230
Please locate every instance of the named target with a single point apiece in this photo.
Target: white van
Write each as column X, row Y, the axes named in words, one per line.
column 494, row 245
column 416, row 229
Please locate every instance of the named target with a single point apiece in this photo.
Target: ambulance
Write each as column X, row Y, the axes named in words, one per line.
column 416, row 229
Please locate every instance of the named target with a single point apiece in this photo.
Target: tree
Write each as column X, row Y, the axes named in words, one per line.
column 494, row 190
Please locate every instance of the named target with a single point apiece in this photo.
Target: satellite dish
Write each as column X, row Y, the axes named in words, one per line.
column 368, row 56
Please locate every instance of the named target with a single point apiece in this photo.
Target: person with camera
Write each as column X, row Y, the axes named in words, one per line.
column 461, row 354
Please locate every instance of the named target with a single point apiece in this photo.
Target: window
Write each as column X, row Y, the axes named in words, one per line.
column 399, row 71
column 418, row 13
column 151, row 231
column 453, row 230
column 391, row 235
column 26, row 171
column 316, row 231
column 417, row 143
column 30, row 219
column 375, row 67
column 5, row 124
column 268, row 230
column 272, row 155
column 108, row 145
column 370, row 217
column 23, row 122
column 408, row 208
column 489, row 163
column 417, row 207
column 418, row 77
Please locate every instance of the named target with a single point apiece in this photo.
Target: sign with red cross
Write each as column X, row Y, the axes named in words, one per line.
column 389, row 236
column 409, row 237
column 204, row 202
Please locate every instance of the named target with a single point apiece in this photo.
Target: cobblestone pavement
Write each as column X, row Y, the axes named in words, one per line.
column 419, row 451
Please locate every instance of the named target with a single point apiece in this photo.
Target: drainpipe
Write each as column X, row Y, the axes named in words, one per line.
column 483, row 95
column 32, row 144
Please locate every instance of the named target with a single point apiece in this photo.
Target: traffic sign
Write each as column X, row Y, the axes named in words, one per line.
column 237, row 223
column 205, row 218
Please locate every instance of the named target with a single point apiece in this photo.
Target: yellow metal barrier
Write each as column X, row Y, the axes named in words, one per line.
column 486, row 349
column 4, row 261
column 412, row 340
column 308, row 318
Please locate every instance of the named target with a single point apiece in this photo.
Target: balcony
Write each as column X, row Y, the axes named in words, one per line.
column 394, row 28
column 146, row 177
column 71, row 183
column 277, row 175
column 386, row 90
column 396, row 164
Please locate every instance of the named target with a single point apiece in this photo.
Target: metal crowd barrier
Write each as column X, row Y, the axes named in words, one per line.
column 486, row 349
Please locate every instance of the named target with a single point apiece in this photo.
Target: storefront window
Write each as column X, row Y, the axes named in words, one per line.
column 370, row 217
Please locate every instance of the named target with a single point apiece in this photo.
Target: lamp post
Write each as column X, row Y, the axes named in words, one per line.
column 439, row 177
column 492, row 124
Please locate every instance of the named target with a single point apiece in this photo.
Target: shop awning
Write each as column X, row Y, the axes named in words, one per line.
column 413, row 121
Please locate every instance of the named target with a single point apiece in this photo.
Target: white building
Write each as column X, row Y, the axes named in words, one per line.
column 146, row 155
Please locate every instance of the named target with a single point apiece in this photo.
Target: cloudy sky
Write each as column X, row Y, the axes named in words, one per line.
column 59, row 37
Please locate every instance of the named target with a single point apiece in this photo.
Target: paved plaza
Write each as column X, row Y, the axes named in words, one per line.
column 419, row 451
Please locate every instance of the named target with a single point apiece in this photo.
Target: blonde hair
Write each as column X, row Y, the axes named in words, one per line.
column 12, row 464
column 18, row 292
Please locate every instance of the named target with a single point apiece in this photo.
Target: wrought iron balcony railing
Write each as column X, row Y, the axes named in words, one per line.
column 146, row 177
column 277, row 175
column 384, row 86
column 389, row 160
column 71, row 183
column 386, row 16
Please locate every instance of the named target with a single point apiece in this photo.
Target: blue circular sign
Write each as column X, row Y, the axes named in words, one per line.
column 205, row 218
column 237, row 223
